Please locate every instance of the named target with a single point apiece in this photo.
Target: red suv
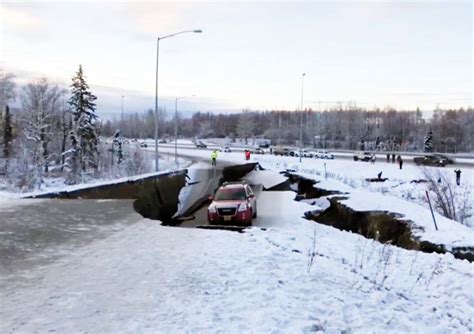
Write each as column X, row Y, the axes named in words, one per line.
column 233, row 203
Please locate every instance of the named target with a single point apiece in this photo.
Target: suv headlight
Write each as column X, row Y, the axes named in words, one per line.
column 212, row 209
column 243, row 207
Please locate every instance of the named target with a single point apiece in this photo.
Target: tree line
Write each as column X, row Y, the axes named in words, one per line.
column 54, row 134
column 342, row 127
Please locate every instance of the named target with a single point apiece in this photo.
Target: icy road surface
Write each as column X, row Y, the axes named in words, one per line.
column 36, row 232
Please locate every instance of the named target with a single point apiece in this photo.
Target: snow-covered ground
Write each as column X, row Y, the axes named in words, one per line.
column 293, row 277
column 286, row 275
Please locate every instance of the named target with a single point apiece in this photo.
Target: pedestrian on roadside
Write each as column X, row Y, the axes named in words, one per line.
column 247, row 154
column 372, row 158
column 214, row 158
column 458, row 176
column 393, row 158
column 388, row 157
column 400, row 161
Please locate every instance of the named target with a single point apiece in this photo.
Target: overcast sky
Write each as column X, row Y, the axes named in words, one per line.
column 250, row 55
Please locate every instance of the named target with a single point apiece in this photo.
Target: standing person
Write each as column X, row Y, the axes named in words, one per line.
column 214, row 157
column 247, row 154
column 458, row 176
column 393, row 158
column 372, row 158
column 388, row 157
column 400, row 161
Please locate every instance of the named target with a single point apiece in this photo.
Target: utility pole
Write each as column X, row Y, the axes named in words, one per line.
column 301, row 120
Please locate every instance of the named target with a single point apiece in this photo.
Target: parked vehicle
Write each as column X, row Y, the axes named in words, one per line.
column 324, row 155
column 258, row 150
column 234, row 202
column 142, row 144
column 430, row 160
column 281, row 151
column 200, row 144
column 363, row 156
column 294, row 153
column 162, row 141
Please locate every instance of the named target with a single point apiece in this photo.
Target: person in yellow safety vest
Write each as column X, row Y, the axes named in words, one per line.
column 214, row 157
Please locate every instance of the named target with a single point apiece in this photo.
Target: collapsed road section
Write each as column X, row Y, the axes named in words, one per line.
column 383, row 226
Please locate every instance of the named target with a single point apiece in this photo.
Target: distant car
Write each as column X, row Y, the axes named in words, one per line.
column 324, row 155
column 258, row 150
column 430, row 160
column 201, row 145
column 143, row 145
column 304, row 153
column 224, row 149
column 448, row 160
column 233, row 202
column 363, row 156
column 162, row 141
column 281, row 151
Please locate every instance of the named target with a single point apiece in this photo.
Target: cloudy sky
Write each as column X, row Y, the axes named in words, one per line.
column 250, row 55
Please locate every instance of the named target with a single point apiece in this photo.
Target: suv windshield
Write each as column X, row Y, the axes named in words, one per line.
column 227, row 194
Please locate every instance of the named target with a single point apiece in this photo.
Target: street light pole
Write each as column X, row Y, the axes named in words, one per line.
column 122, row 125
column 156, row 87
column 301, row 120
column 176, row 129
column 122, row 108
column 156, row 104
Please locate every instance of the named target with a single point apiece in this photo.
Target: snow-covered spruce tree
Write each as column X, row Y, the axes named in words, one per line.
column 72, row 159
column 85, row 130
column 428, row 142
column 7, row 133
column 7, row 94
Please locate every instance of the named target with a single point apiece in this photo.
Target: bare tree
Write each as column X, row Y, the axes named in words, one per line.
column 246, row 125
column 39, row 103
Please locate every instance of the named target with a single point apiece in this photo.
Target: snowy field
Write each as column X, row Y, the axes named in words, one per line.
column 285, row 275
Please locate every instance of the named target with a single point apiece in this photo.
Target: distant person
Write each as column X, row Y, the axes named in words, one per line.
column 388, row 157
column 214, row 157
column 400, row 161
column 372, row 158
column 458, row 176
column 393, row 158
column 247, row 154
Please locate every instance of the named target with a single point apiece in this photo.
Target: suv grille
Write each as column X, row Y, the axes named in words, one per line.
column 226, row 211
